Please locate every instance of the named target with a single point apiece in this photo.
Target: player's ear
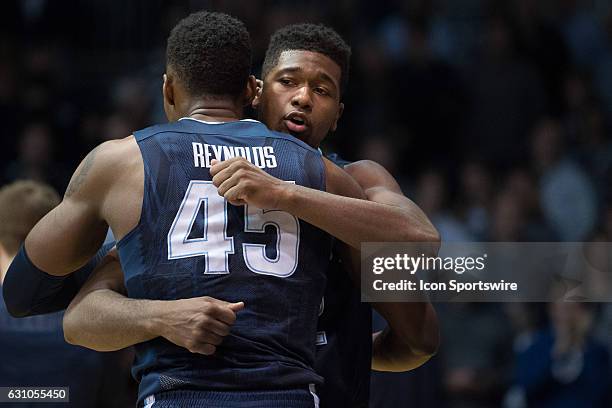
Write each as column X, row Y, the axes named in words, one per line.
column 251, row 91
column 257, row 99
column 168, row 90
column 338, row 115
column 168, row 93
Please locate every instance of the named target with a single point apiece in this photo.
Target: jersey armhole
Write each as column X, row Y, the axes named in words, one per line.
column 138, row 136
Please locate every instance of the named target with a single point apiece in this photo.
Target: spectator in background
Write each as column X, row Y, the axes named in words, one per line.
column 577, row 98
column 599, row 271
column 432, row 195
column 365, row 118
column 95, row 380
column 507, row 96
column 601, row 72
column 583, row 32
column 512, row 220
column 476, row 354
column 509, row 221
column 607, row 221
column 425, row 95
column 132, row 99
column 567, row 195
column 522, row 185
column 595, row 149
column 476, row 197
column 541, row 42
column 563, row 366
column 379, row 148
column 36, row 159
column 9, row 110
column 527, row 320
column 116, row 126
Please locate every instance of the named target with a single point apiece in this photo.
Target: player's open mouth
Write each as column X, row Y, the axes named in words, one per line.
column 296, row 122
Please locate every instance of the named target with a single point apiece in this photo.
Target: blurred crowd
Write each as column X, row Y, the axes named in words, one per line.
column 495, row 117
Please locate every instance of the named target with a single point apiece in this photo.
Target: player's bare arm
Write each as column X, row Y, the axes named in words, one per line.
column 412, row 334
column 101, row 317
column 68, row 236
column 379, row 186
column 348, row 217
column 103, row 191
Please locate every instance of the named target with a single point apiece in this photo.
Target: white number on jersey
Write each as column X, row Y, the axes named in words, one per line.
column 217, row 246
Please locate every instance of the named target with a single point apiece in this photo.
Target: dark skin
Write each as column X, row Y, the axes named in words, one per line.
column 305, row 86
column 304, row 83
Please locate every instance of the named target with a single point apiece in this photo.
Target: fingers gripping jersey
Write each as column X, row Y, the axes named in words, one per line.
column 190, row 242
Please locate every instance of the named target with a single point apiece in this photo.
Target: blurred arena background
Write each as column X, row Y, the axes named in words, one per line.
column 494, row 115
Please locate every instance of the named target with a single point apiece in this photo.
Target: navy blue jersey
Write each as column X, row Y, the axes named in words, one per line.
column 344, row 339
column 190, row 242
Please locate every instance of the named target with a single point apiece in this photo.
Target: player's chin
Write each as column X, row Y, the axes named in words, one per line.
column 304, row 136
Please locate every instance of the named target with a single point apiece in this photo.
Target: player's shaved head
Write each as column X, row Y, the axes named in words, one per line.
column 22, row 204
column 210, row 53
column 309, row 37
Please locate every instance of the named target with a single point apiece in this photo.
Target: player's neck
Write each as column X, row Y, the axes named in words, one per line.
column 218, row 112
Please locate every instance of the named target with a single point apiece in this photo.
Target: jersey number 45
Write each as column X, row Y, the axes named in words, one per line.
column 216, row 246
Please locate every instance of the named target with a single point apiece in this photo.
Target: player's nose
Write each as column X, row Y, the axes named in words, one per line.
column 302, row 98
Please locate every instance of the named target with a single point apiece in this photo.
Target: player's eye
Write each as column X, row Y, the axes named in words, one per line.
column 286, row 81
column 321, row 91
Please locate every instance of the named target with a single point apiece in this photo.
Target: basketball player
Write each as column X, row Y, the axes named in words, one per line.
column 178, row 238
column 305, row 103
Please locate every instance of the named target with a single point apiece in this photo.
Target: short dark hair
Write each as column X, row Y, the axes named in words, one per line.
column 309, row 37
column 210, row 53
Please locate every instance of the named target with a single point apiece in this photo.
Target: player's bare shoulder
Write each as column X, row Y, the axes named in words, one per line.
column 94, row 175
column 340, row 182
column 100, row 169
column 370, row 174
column 125, row 156
column 123, row 202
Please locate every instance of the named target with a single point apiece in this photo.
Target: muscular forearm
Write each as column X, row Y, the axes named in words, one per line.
column 351, row 220
column 105, row 320
column 412, row 335
column 344, row 210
